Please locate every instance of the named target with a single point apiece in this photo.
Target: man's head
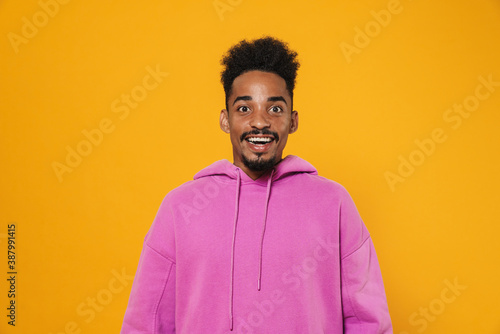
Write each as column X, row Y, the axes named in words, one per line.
column 259, row 78
column 265, row 54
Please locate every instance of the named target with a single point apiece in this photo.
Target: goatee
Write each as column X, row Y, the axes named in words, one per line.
column 259, row 165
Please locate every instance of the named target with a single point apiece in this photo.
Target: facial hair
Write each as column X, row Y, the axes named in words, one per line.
column 259, row 164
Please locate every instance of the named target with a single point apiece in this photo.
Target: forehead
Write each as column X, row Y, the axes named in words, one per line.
column 254, row 83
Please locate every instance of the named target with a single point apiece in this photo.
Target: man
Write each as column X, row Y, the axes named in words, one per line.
column 263, row 245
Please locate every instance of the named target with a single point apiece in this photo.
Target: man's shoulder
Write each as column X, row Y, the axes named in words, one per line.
column 316, row 180
column 300, row 169
column 186, row 187
column 207, row 186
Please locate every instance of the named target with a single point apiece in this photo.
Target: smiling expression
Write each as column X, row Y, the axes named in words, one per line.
column 258, row 119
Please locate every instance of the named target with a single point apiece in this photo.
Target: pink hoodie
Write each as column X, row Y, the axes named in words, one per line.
column 286, row 253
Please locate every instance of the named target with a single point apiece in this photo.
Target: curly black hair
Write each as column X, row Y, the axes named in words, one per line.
column 266, row 54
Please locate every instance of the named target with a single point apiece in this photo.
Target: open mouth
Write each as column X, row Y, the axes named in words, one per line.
column 259, row 143
column 259, row 140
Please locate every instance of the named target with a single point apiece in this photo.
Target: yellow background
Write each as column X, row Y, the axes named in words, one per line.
column 358, row 114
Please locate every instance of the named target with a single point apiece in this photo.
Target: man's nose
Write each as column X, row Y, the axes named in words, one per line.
column 260, row 119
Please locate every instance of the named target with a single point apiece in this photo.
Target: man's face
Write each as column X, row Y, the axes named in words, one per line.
column 259, row 119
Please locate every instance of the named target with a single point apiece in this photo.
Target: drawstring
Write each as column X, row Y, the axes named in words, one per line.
column 259, row 280
column 238, row 184
column 235, row 223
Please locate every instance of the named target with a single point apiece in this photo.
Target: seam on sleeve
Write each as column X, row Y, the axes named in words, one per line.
column 163, row 256
column 354, row 251
column 161, row 296
column 348, row 292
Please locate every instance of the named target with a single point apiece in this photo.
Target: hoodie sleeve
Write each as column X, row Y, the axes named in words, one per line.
column 364, row 302
column 151, row 306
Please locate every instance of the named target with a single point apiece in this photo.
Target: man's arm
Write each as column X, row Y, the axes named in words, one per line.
column 151, row 306
column 363, row 295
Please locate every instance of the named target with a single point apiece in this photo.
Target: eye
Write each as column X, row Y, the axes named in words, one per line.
column 243, row 109
column 276, row 109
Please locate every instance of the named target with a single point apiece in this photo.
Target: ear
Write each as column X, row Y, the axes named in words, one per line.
column 294, row 122
column 224, row 120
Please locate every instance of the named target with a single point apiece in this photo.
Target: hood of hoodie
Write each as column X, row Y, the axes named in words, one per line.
column 228, row 172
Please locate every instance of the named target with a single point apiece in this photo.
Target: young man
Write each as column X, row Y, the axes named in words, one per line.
column 263, row 244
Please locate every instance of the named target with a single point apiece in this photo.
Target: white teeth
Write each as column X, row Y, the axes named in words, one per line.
column 259, row 140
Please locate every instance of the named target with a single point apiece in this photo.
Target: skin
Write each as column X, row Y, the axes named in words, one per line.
column 259, row 100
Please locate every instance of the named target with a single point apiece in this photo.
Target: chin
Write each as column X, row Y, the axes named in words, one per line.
column 259, row 164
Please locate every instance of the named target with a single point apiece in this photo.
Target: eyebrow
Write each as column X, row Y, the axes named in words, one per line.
column 242, row 98
column 276, row 98
column 269, row 99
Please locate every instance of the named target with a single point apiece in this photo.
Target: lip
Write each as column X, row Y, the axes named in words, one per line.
column 260, row 136
column 260, row 148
